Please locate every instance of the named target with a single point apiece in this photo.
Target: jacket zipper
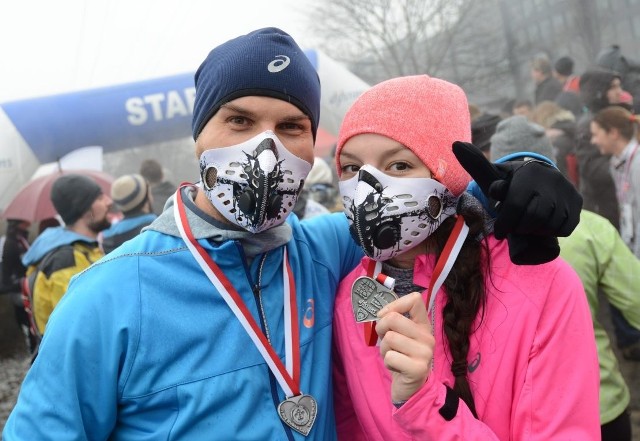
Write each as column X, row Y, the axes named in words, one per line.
column 257, row 296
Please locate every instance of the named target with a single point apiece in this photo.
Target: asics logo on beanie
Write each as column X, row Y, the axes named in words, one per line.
column 279, row 64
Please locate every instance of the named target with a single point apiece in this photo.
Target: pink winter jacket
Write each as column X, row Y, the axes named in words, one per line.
column 533, row 367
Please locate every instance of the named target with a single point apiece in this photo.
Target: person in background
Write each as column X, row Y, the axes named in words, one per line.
column 599, row 88
column 612, row 58
column 161, row 190
column 15, row 246
column 615, row 133
column 506, row 110
column 547, row 88
column 488, row 358
column 569, row 97
column 474, row 111
column 519, row 130
column 605, row 265
column 614, row 130
column 47, row 223
column 563, row 72
column 307, row 206
column 131, row 195
column 320, row 184
column 482, row 129
column 522, row 107
column 571, row 101
column 560, row 127
column 61, row 252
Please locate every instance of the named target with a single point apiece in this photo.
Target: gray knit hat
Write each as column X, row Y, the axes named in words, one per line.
column 518, row 134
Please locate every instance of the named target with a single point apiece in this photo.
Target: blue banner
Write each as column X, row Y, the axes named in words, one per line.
column 115, row 118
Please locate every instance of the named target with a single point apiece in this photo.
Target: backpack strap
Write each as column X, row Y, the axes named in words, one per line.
column 27, row 290
column 27, row 301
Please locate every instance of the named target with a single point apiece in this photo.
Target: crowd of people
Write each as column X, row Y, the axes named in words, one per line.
column 228, row 308
column 586, row 125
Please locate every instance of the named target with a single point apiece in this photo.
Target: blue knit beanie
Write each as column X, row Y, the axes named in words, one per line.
column 266, row 62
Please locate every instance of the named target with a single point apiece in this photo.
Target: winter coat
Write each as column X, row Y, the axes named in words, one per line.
column 625, row 170
column 547, row 90
column 596, row 184
column 605, row 264
column 63, row 254
column 562, row 133
column 160, row 192
column 533, row 367
column 152, row 351
column 126, row 229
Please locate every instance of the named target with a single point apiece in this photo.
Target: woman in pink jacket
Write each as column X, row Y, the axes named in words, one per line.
column 475, row 348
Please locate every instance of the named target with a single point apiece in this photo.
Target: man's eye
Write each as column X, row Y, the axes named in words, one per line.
column 238, row 120
column 291, row 127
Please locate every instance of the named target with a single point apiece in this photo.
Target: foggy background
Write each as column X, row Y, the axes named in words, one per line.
column 485, row 46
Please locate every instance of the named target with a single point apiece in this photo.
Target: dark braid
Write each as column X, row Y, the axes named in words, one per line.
column 465, row 296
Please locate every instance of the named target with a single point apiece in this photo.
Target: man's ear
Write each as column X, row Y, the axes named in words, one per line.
column 614, row 133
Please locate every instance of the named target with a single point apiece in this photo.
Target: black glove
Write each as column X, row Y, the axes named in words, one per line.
column 534, row 203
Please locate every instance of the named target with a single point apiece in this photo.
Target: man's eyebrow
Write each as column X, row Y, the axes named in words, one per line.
column 237, row 109
column 245, row 112
column 295, row 118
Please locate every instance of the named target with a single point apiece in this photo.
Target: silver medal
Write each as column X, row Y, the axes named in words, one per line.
column 368, row 296
column 299, row 412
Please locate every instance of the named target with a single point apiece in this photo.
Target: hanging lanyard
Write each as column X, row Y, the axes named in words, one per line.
column 623, row 181
column 443, row 266
column 288, row 376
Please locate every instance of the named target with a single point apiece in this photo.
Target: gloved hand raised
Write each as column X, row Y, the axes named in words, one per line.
column 532, row 201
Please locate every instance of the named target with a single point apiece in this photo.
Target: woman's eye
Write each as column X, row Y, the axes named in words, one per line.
column 399, row 166
column 350, row 169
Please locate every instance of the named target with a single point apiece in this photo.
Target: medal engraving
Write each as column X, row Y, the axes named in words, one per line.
column 299, row 413
column 368, row 297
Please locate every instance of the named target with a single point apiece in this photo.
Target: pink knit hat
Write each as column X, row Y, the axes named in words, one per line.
column 422, row 113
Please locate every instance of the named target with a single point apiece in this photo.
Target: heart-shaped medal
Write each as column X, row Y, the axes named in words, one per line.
column 368, row 296
column 299, row 413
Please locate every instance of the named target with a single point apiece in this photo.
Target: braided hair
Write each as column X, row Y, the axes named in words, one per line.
column 466, row 295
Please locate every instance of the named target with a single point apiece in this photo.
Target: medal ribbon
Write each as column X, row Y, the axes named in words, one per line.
column 288, row 376
column 443, row 266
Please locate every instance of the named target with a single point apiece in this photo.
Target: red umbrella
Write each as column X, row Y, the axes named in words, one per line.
column 33, row 202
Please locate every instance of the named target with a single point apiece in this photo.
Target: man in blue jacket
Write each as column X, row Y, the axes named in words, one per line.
column 215, row 322
column 153, row 342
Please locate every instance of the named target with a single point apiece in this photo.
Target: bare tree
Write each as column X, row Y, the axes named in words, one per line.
column 391, row 35
column 587, row 26
column 462, row 41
